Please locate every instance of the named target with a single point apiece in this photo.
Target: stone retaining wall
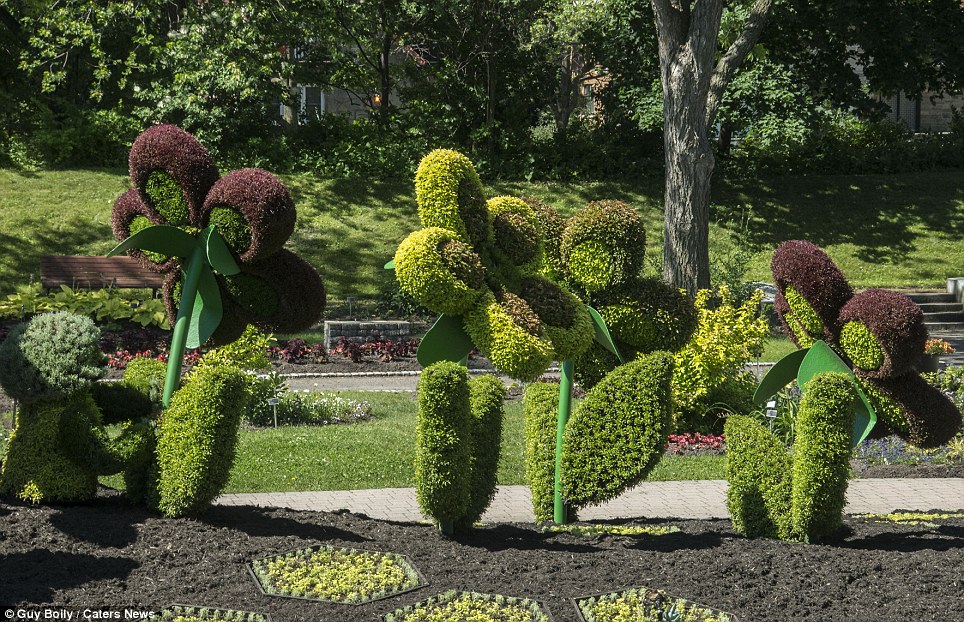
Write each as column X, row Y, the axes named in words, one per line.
column 364, row 332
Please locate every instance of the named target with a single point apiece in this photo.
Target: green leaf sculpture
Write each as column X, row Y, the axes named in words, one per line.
column 218, row 239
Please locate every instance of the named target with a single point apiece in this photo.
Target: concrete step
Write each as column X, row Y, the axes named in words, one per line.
column 946, row 316
column 940, row 307
column 929, row 297
column 954, row 328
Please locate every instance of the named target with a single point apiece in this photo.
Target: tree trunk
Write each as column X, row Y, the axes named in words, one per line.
column 689, row 167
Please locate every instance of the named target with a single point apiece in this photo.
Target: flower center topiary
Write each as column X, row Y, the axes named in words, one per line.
column 167, row 197
column 520, row 312
column 591, row 264
column 808, row 324
column 861, row 346
column 517, row 238
column 233, row 228
column 464, row 263
column 549, row 303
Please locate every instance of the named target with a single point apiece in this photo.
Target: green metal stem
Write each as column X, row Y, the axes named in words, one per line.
column 184, row 312
column 565, row 408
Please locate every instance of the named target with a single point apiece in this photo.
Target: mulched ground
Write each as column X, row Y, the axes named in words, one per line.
column 107, row 554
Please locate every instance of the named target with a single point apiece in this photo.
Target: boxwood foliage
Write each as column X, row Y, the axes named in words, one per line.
column 509, row 340
column 50, row 357
column 793, row 493
column 449, row 195
column 540, row 409
column 618, row 431
column 517, row 240
column 443, row 446
column 551, row 226
column 883, row 333
column 129, row 215
column 486, row 408
column 425, row 271
column 146, row 375
column 811, row 290
column 821, row 457
column 46, row 458
column 196, row 439
column 602, row 244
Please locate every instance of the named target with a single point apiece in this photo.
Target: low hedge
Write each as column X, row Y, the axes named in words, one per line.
column 540, row 411
column 793, row 493
column 486, row 408
column 196, row 439
column 443, row 447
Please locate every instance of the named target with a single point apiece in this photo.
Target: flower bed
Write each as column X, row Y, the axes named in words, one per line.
column 338, row 575
column 471, row 606
column 646, row 605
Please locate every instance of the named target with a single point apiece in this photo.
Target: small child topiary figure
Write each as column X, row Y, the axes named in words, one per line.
column 49, row 365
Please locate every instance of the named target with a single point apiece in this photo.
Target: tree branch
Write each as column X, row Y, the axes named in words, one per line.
column 735, row 55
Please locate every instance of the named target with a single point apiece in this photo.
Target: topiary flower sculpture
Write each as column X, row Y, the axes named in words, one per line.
column 617, row 433
column 219, row 241
column 881, row 335
column 476, row 262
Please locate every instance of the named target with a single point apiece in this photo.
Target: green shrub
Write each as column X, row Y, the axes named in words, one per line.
column 146, row 375
column 196, row 440
column 486, row 399
column 821, row 458
column 249, row 352
column 167, row 198
column 516, row 230
column 137, row 306
column 141, row 472
column 861, row 346
column 602, row 245
column 758, row 470
column 618, row 431
column 48, row 453
column 443, row 445
column 449, row 195
column 725, row 340
column 50, row 357
column 540, row 411
column 793, row 493
column 650, row 315
column 512, row 350
column 424, row 274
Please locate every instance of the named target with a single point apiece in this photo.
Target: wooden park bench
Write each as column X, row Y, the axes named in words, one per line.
column 80, row 272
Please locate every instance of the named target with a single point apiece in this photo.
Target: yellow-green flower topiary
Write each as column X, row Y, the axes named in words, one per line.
column 508, row 345
column 423, row 272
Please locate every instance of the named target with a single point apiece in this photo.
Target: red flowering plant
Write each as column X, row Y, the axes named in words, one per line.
column 219, row 241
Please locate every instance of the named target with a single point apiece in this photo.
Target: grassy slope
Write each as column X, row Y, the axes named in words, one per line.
column 900, row 230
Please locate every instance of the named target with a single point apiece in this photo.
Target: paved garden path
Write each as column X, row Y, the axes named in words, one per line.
column 681, row 499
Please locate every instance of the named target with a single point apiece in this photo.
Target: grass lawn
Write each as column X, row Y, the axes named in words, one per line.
column 896, row 230
column 775, row 348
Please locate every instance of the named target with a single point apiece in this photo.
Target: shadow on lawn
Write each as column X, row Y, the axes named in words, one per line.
column 37, row 576
column 876, row 214
column 259, row 522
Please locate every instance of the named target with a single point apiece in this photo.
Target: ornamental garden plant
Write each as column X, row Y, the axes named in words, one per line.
column 338, row 575
column 856, row 371
column 473, row 606
column 219, row 240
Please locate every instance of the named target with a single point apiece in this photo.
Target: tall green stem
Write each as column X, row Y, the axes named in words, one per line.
column 184, row 312
column 565, row 408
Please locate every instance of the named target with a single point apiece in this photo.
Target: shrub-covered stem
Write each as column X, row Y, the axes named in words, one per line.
column 565, row 408
column 184, row 312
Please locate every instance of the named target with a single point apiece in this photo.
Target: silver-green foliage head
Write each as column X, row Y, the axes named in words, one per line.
column 50, row 357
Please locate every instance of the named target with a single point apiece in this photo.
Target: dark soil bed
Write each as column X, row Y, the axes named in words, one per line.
column 107, row 554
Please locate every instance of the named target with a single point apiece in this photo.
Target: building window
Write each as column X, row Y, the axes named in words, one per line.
column 312, row 103
column 905, row 111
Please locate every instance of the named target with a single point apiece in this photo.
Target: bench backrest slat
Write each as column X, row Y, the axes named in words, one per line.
column 78, row 271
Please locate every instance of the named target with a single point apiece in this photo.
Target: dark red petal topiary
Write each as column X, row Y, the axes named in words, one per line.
column 931, row 417
column 816, row 278
column 299, row 290
column 897, row 323
column 170, row 149
column 262, row 201
column 126, row 208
